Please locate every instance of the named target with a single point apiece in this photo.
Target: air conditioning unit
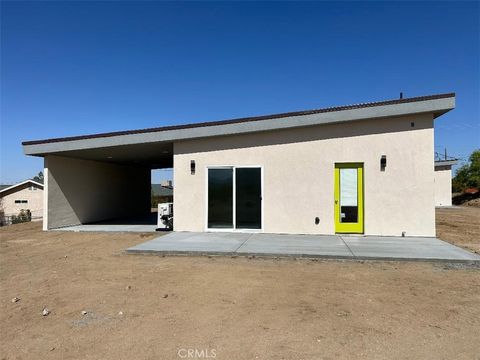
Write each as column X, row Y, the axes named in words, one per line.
column 165, row 216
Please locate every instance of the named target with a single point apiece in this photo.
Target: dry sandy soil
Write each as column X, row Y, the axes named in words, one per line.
column 231, row 308
column 460, row 226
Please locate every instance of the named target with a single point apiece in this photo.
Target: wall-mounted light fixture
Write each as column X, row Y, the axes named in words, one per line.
column 192, row 167
column 383, row 162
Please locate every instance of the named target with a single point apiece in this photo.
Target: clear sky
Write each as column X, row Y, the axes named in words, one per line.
column 71, row 68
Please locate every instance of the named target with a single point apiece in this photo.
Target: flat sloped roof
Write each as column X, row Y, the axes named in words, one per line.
column 436, row 104
column 442, row 163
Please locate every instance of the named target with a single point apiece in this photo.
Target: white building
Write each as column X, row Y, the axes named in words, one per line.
column 365, row 169
column 443, row 182
column 27, row 195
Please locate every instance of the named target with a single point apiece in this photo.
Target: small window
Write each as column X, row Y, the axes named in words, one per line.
column 21, row 201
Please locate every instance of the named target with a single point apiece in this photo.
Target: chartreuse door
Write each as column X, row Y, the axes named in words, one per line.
column 349, row 198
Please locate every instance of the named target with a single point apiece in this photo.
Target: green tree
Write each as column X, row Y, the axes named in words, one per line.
column 468, row 175
column 39, row 177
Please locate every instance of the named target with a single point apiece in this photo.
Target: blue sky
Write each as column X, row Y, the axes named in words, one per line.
column 70, row 68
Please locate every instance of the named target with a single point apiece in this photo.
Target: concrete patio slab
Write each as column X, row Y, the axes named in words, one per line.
column 411, row 248
column 328, row 246
column 301, row 245
column 187, row 242
column 145, row 223
column 109, row 228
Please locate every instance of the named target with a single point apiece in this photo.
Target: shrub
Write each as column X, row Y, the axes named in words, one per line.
column 23, row 216
column 468, row 176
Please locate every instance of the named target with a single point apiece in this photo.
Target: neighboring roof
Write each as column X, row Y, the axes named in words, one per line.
column 5, row 188
column 435, row 104
column 471, row 191
column 442, row 163
column 159, row 190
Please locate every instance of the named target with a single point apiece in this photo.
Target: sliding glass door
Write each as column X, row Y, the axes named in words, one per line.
column 234, row 198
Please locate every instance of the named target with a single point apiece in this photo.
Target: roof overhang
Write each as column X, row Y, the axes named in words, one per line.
column 444, row 163
column 20, row 184
column 99, row 146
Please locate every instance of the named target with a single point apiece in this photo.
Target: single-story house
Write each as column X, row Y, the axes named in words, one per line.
column 363, row 169
column 443, row 182
column 26, row 195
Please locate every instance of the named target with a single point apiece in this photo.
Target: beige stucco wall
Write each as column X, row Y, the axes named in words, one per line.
column 298, row 166
column 443, row 186
column 32, row 193
column 83, row 191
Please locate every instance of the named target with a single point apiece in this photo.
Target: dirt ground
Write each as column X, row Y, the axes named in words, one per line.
column 460, row 226
column 227, row 308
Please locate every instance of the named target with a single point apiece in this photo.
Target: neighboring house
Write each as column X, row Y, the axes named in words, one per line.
column 27, row 195
column 167, row 183
column 362, row 169
column 443, row 182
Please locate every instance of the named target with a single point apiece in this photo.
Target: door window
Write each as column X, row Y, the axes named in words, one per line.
column 348, row 196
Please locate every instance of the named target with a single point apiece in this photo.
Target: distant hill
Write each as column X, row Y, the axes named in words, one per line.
column 159, row 190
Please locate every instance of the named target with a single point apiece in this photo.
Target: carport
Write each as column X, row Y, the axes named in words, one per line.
column 92, row 187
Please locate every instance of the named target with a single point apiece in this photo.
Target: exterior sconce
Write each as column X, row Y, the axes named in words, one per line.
column 383, row 162
column 192, row 167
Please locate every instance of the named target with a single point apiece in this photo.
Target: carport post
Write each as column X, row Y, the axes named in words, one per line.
column 45, row 194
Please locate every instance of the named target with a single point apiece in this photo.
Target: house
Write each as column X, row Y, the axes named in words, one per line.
column 443, row 182
column 167, row 184
column 27, row 195
column 362, row 169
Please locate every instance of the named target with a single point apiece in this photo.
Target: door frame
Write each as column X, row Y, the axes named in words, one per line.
column 234, row 204
column 349, row 228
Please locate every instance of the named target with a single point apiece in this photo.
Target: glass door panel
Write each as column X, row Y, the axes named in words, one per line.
column 348, row 196
column 248, row 198
column 220, row 198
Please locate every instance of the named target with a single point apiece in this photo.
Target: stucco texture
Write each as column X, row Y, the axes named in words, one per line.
column 298, row 174
column 84, row 191
column 443, row 186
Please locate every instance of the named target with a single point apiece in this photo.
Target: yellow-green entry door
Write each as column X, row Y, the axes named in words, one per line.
column 349, row 198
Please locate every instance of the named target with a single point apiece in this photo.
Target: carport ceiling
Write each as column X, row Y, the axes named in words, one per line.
column 152, row 155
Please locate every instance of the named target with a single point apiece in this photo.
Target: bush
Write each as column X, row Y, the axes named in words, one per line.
column 468, row 176
column 24, row 216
